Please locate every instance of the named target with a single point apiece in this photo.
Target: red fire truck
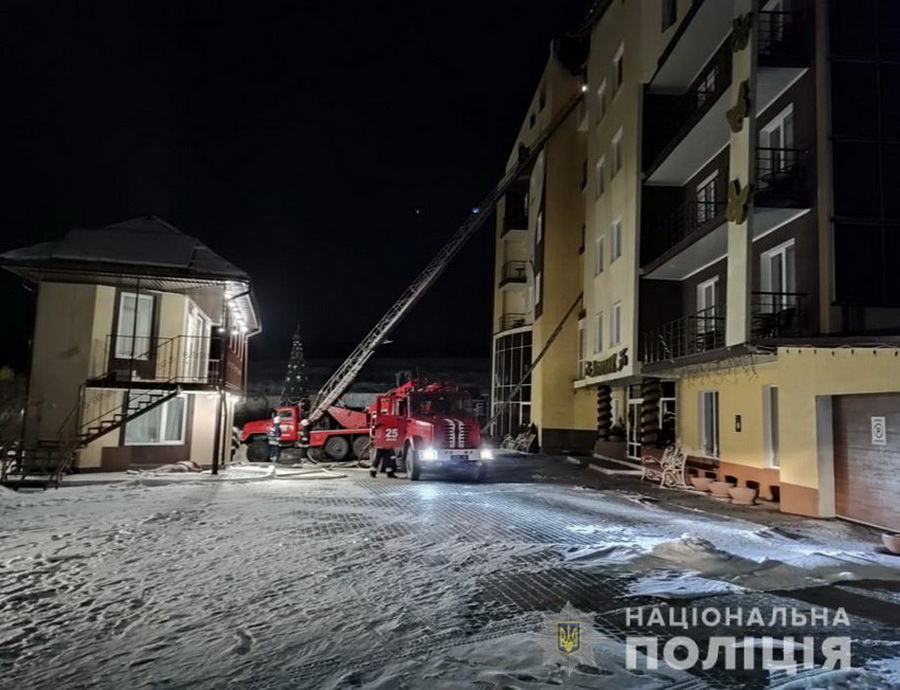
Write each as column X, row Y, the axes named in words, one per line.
column 429, row 426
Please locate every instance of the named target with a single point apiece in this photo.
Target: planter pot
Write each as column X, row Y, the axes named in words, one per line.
column 891, row 542
column 701, row 483
column 743, row 495
column 720, row 489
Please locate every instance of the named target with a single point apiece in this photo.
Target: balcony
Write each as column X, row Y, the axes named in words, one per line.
column 515, row 226
column 784, row 40
column 781, row 178
column 693, row 334
column 511, row 321
column 684, row 225
column 778, row 315
column 128, row 361
column 513, row 275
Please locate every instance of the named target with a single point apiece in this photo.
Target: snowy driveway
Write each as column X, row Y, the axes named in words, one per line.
column 388, row 583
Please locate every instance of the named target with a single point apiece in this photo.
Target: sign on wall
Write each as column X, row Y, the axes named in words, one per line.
column 879, row 431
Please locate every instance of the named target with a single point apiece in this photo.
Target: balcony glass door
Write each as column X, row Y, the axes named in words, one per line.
column 135, row 326
column 778, row 278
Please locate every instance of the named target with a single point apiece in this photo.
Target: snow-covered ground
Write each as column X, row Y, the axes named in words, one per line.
column 273, row 581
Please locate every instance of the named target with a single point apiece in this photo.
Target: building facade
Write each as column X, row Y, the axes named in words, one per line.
column 740, row 261
column 139, row 348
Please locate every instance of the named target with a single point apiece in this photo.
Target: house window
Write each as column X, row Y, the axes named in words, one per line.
column 776, row 140
column 618, row 69
column 778, row 278
column 770, row 425
column 537, row 288
column 706, row 89
column 598, row 332
column 615, row 330
column 163, row 425
column 617, row 152
column 601, row 175
column 598, row 256
column 616, row 233
column 135, row 326
column 539, row 227
column 669, row 13
column 708, row 305
column 706, row 200
column 584, row 174
column 601, row 102
column 709, row 423
column 582, row 347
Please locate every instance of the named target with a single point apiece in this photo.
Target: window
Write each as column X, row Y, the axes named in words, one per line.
column 706, row 200
column 598, row 256
column 601, row 176
column 598, row 332
column 708, row 305
column 618, row 69
column 617, row 152
column 601, row 102
column 770, row 424
column 615, row 330
column 775, row 141
column 539, row 228
column 134, row 331
column 582, row 347
column 616, row 234
column 709, row 423
column 778, row 278
column 669, row 13
column 706, row 89
column 584, row 173
column 163, row 425
column 537, row 288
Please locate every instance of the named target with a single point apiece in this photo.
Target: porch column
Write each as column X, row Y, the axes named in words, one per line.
column 651, row 391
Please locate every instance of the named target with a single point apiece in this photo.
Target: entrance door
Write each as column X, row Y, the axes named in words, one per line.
column 634, row 428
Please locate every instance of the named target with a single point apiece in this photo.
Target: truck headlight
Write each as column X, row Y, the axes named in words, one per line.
column 429, row 454
column 487, row 454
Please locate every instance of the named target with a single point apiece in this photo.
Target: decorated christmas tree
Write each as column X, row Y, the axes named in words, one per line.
column 296, row 381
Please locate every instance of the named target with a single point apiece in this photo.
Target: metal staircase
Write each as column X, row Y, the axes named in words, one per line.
column 45, row 464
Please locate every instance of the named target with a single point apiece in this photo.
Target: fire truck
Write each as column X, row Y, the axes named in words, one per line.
column 429, row 426
column 340, row 433
column 399, row 422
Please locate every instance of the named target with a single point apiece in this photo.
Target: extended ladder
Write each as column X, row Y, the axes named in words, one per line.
column 349, row 370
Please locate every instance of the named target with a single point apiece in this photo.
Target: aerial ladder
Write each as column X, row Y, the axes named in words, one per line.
column 344, row 376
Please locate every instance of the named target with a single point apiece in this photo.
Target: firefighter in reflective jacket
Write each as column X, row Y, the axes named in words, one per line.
column 274, row 435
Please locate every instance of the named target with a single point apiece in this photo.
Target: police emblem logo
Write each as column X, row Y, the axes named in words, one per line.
column 568, row 637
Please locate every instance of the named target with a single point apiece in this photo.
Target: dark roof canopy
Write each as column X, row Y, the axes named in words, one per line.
column 140, row 246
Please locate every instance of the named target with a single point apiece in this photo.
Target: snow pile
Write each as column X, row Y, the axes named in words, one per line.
column 678, row 585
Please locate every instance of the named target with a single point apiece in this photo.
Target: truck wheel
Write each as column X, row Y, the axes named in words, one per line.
column 258, row 451
column 361, row 447
column 411, row 456
column 337, row 447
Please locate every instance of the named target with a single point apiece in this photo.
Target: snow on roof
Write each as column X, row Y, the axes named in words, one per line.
column 144, row 243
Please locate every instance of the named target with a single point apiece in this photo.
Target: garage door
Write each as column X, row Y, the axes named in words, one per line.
column 867, row 458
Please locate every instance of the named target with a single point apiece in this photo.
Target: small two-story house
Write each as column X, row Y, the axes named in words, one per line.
column 139, row 349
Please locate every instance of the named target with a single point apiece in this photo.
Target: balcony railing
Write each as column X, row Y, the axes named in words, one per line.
column 781, row 175
column 180, row 359
column 510, row 321
column 688, row 219
column 779, row 314
column 514, row 272
column 782, row 39
column 689, row 335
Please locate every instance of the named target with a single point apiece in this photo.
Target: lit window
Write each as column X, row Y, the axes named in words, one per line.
column 601, row 102
column 617, row 152
column 601, row 176
column 537, row 288
column 598, row 332
column 163, row 425
column 135, row 326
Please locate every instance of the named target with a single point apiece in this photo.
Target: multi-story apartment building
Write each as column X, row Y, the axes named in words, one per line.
column 138, row 354
column 741, row 243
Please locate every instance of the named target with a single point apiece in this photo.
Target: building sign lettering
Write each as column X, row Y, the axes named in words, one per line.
column 610, row 365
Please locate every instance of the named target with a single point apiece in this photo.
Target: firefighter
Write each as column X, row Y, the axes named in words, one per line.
column 382, row 459
column 274, row 435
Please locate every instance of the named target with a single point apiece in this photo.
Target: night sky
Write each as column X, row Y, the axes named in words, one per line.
column 327, row 148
